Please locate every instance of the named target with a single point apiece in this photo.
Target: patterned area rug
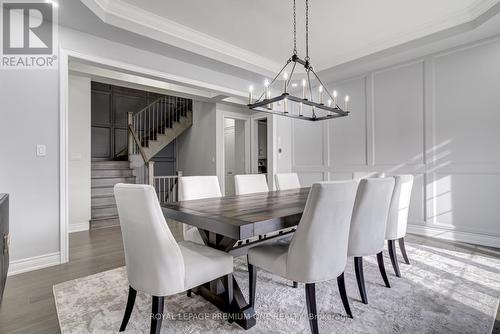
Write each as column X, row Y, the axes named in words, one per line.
column 442, row 291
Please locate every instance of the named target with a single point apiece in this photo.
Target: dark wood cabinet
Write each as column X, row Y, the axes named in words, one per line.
column 4, row 233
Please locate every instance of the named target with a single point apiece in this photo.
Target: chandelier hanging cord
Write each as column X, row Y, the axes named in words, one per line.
column 294, row 29
column 307, row 31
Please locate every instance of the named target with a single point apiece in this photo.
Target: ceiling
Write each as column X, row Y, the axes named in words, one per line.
column 258, row 34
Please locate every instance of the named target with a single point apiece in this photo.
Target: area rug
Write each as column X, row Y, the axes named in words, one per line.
column 442, row 291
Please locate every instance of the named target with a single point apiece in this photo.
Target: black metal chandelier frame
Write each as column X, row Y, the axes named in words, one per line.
column 264, row 102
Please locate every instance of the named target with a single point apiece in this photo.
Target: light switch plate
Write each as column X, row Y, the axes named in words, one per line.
column 41, row 150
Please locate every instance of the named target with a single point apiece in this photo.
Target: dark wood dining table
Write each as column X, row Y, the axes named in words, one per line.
column 227, row 224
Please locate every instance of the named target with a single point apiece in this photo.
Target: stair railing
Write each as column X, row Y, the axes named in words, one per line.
column 157, row 117
column 167, row 187
column 143, row 169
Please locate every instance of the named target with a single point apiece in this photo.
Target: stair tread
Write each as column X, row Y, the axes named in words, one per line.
column 102, row 196
column 103, row 206
column 113, row 177
column 105, row 218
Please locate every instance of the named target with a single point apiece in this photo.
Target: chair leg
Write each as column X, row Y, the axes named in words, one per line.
column 312, row 313
column 132, row 293
column 381, row 267
column 358, row 267
column 230, row 289
column 394, row 257
column 252, row 283
column 343, row 295
column 188, row 293
column 295, row 285
column 403, row 249
column 156, row 315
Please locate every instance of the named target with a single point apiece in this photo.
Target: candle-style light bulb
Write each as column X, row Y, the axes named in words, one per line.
column 268, row 93
column 285, row 106
column 285, row 79
column 250, row 97
column 304, row 85
column 335, row 94
column 320, row 90
column 329, row 102
column 346, row 105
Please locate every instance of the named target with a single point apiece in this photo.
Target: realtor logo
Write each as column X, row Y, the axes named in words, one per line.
column 28, row 34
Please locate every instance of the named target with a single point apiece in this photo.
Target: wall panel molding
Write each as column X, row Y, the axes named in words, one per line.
column 466, row 211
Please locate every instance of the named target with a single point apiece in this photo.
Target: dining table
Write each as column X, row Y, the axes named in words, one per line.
column 234, row 224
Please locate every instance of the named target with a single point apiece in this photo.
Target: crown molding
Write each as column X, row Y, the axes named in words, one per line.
column 140, row 21
column 137, row 20
column 467, row 16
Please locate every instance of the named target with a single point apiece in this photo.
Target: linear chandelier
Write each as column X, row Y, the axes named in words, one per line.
column 289, row 105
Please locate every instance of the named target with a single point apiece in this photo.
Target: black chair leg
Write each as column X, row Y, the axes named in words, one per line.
column 312, row 313
column 252, row 283
column 132, row 293
column 358, row 267
column 403, row 249
column 343, row 295
column 156, row 315
column 381, row 267
column 230, row 290
column 295, row 285
column 188, row 293
column 394, row 257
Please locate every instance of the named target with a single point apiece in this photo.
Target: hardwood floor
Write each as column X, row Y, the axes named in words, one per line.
column 28, row 305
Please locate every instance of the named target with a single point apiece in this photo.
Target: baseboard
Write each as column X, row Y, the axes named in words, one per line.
column 454, row 235
column 79, row 227
column 34, row 263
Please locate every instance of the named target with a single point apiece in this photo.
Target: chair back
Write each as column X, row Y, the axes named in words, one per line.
column 364, row 175
column 398, row 210
column 250, row 183
column 153, row 259
column 369, row 217
column 198, row 187
column 318, row 250
column 287, row 181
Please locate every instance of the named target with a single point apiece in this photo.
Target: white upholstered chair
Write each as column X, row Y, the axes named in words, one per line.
column 250, row 183
column 397, row 219
column 367, row 233
column 192, row 188
column 318, row 249
column 364, row 175
column 156, row 264
column 287, row 181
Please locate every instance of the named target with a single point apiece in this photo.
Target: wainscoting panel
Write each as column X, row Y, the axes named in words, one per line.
column 398, row 115
column 467, row 104
column 436, row 118
column 308, row 143
column 348, row 134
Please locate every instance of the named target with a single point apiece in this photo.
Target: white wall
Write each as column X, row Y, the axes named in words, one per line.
column 79, row 96
column 29, row 115
column 196, row 154
column 435, row 117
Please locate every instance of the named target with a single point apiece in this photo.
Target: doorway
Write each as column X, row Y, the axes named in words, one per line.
column 234, row 152
column 262, row 159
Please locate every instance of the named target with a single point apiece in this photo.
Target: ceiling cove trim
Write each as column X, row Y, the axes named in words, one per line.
column 468, row 15
column 137, row 20
column 140, row 21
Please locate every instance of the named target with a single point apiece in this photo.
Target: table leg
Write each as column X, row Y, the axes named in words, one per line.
column 239, row 310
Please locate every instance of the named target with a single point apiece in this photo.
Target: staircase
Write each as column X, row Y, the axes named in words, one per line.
column 149, row 131
column 104, row 175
